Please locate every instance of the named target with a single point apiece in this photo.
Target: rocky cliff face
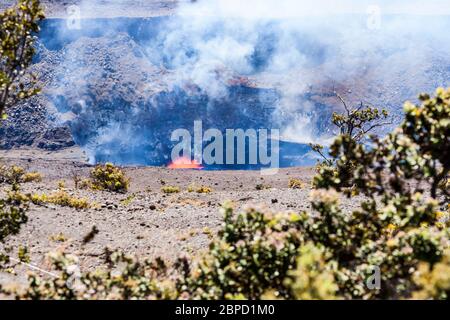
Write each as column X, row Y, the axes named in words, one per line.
column 28, row 125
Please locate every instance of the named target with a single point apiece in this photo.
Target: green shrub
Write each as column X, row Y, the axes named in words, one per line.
column 124, row 278
column 61, row 198
column 433, row 280
column 128, row 200
column 355, row 123
column 253, row 254
column 13, row 211
column 360, row 121
column 201, row 189
column 170, row 189
column 15, row 175
column 60, row 237
column 32, row 177
column 11, row 175
column 83, row 184
column 314, row 277
column 19, row 25
column 204, row 189
column 396, row 227
column 23, row 254
column 416, row 151
column 363, row 239
column 110, row 178
column 295, row 184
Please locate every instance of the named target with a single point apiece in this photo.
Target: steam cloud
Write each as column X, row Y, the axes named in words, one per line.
column 378, row 52
column 295, row 45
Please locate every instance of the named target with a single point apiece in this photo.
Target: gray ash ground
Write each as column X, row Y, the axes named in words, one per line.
column 151, row 224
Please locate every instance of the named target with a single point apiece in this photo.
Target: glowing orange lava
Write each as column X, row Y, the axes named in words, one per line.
column 185, row 163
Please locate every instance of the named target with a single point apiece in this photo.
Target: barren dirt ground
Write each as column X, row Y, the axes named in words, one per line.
column 145, row 221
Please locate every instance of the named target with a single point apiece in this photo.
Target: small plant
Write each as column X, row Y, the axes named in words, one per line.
column 204, row 189
column 4, row 261
column 11, row 175
column 433, row 281
column 193, row 233
column 76, row 179
column 19, row 25
column 23, row 254
column 262, row 186
column 60, row 237
column 128, row 200
column 201, row 189
column 207, row 231
column 170, row 189
column 314, row 277
column 109, row 177
column 32, row 177
column 84, row 184
column 61, row 198
column 295, row 184
column 356, row 124
column 13, row 211
column 16, row 174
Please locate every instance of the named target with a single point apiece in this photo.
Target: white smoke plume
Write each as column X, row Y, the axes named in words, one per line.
column 375, row 51
column 304, row 44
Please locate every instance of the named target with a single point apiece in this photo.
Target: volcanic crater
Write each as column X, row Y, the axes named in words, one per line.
column 116, row 88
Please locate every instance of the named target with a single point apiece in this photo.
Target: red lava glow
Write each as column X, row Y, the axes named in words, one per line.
column 185, row 163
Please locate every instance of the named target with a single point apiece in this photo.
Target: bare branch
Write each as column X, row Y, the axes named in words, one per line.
column 344, row 103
